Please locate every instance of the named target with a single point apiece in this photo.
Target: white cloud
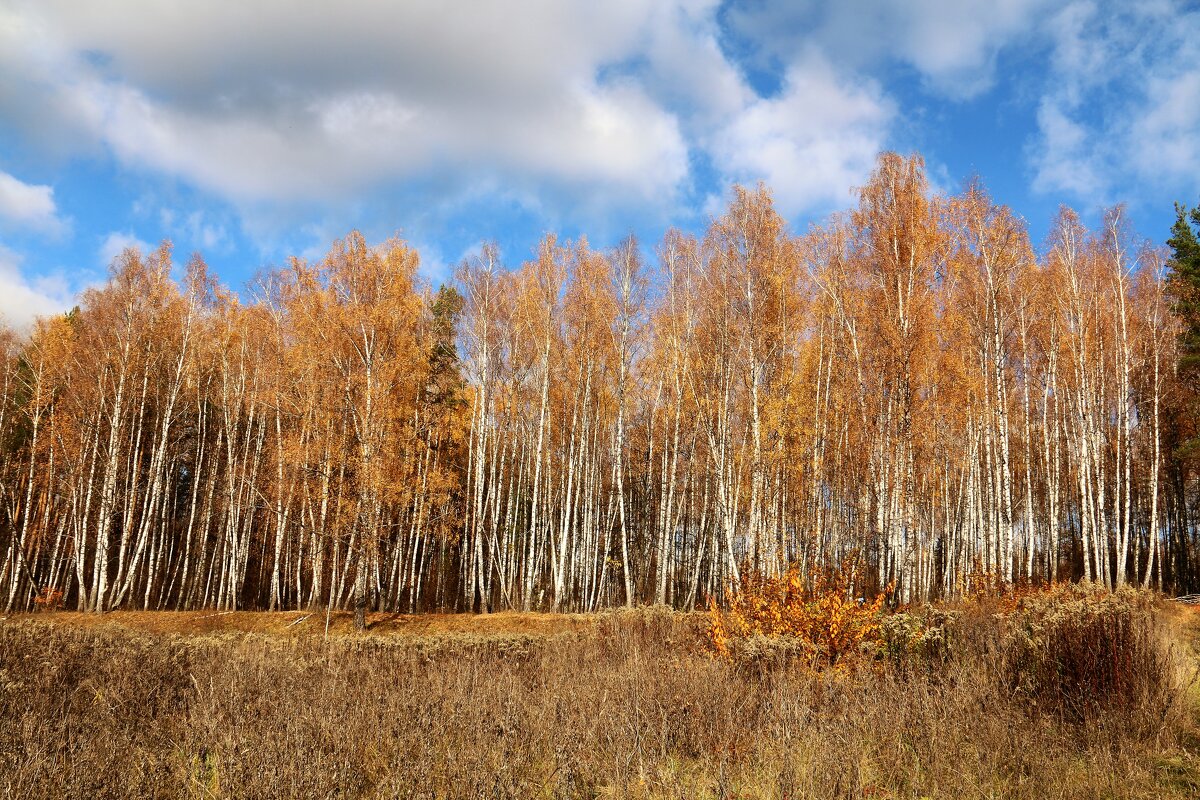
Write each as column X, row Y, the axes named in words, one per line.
column 28, row 206
column 116, row 243
column 688, row 71
column 813, row 142
column 1122, row 101
column 1165, row 137
column 312, row 103
column 562, row 107
column 953, row 44
column 1063, row 162
column 23, row 299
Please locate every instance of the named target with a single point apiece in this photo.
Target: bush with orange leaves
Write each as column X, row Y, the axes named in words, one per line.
column 819, row 619
column 48, row 599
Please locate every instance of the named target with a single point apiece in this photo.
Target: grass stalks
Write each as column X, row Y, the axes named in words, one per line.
column 1067, row 694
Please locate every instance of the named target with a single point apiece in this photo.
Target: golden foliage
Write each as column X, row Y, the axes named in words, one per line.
column 819, row 611
column 48, row 599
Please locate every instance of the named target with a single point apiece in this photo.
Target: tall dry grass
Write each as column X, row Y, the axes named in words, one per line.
column 1075, row 694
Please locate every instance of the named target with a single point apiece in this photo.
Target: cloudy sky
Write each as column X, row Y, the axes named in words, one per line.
column 250, row 131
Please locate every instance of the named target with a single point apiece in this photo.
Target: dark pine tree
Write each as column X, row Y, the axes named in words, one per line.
column 1184, row 281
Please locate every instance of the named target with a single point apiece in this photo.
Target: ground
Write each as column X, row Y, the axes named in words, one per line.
column 618, row 704
column 304, row 623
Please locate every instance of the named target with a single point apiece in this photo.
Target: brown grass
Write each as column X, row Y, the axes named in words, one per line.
column 304, row 623
column 621, row 704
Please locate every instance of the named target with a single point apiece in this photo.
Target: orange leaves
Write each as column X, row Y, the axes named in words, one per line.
column 819, row 609
column 981, row 587
column 48, row 599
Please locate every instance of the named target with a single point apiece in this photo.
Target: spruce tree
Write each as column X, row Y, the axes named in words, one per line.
column 1184, row 281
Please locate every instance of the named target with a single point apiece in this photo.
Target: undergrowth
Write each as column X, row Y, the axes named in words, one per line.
column 1069, row 692
column 815, row 615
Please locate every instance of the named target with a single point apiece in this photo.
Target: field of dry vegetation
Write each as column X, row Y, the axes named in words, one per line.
column 1067, row 693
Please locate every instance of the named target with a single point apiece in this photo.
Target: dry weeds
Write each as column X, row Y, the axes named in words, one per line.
column 622, row 704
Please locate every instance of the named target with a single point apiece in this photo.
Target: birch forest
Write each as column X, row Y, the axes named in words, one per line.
column 913, row 383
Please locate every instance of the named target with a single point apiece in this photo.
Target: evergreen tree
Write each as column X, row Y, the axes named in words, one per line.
column 1184, row 282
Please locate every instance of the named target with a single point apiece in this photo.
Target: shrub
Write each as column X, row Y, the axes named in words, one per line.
column 924, row 634
column 48, row 599
column 1079, row 649
column 820, row 619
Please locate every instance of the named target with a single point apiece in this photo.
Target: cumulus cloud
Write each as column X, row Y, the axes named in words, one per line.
column 23, row 299
column 283, row 121
column 274, row 102
column 270, row 104
column 812, row 142
column 688, row 70
column 28, row 206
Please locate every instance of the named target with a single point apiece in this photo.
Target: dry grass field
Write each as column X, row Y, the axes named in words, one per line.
column 1071, row 695
column 304, row 624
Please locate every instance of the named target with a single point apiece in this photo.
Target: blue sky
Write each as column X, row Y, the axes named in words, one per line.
column 251, row 131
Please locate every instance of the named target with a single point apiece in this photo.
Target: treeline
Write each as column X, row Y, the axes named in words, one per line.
column 910, row 383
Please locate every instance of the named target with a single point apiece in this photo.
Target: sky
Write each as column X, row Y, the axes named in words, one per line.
column 254, row 131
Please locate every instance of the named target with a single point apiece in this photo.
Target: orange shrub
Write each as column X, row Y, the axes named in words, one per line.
column 48, row 599
column 822, row 616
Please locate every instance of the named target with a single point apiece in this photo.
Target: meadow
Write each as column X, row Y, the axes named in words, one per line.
column 1070, row 693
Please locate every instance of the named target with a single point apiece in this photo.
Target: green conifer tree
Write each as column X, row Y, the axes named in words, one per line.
column 1184, row 281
